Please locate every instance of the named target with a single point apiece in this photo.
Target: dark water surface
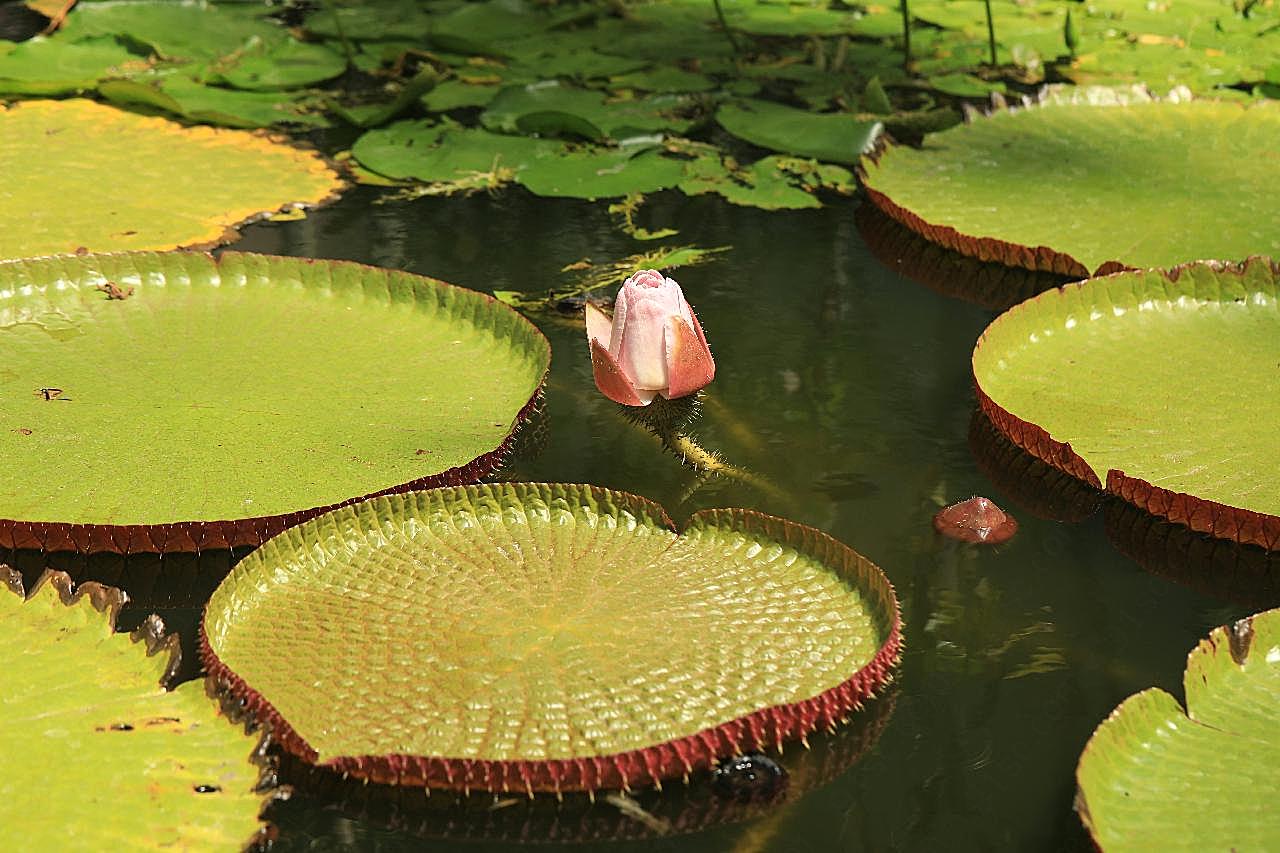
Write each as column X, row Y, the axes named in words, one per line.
column 849, row 388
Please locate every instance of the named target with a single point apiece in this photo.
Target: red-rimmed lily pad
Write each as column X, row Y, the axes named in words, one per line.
column 546, row 637
column 1093, row 181
column 1160, row 385
column 1157, row 777
column 174, row 402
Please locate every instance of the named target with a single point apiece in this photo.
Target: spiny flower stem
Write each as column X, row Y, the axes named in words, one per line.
column 705, row 462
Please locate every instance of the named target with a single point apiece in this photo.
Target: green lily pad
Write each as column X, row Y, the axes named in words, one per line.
column 44, row 66
column 582, row 112
column 452, row 94
column 215, row 439
column 179, row 95
column 771, row 183
column 667, row 78
column 444, row 153
column 282, row 65
column 1093, row 182
column 546, row 637
column 602, row 173
column 176, row 31
column 1159, row 384
column 371, row 20
column 85, row 722
column 1157, row 777
column 833, row 137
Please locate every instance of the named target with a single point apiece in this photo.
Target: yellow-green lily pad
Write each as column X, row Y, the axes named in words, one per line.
column 79, row 176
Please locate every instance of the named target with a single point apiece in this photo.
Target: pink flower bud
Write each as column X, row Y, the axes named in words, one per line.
column 654, row 344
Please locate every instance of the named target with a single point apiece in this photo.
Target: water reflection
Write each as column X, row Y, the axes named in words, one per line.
column 1037, row 486
column 1243, row 574
column 990, row 285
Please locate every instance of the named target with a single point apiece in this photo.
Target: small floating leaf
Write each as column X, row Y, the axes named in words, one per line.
column 432, row 152
column 833, row 137
column 97, row 754
column 180, row 95
column 44, row 66
column 582, row 112
column 602, row 173
column 1155, row 776
column 546, row 637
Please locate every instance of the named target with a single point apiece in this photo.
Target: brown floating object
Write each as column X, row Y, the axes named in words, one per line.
column 976, row 520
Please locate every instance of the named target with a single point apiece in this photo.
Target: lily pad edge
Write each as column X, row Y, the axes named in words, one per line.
column 759, row 730
column 1234, row 639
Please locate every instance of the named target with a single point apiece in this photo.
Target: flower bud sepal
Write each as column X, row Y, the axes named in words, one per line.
column 664, row 417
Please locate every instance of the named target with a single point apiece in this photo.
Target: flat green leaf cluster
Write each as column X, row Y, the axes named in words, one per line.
column 613, row 91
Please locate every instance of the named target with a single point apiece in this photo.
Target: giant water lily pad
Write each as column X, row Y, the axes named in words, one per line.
column 79, row 176
column 1160, row 385
column 546, row 637
column 159, row 402
column 1093, row 182
column 97, row 755
column 1156, row 777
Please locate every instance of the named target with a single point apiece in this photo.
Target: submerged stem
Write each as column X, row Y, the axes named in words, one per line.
column 705, row 462
column 906, row 35
column 991, row 32
column 347, row 49
column 724, row 25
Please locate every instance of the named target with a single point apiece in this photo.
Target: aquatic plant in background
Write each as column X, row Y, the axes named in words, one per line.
column 199, row 184
column 1089, row 181
column 597, row 101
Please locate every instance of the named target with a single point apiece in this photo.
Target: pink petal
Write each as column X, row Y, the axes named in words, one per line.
column 612, row 382
column 689, row 363
column 599, row 325
column 642, row 351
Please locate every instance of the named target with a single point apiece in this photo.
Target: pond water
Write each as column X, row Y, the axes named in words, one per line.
column 848, row 387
